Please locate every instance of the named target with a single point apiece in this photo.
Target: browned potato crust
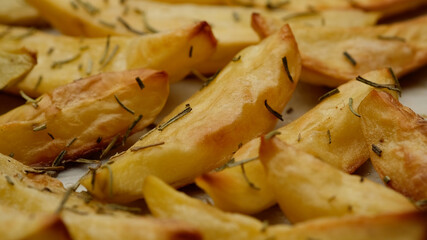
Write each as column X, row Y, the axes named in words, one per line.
column 73, row 117
column 400, row 135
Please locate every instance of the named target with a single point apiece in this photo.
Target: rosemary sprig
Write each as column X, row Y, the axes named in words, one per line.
column 134, row 149
column 106, row 49
column 109, row 147
column 393, row 38
column 147, row 133
column 210, row 79
column 9, row 180
column 123, row 106
column 376, row 85
column 67, row 195
column 236, row 59
column 131, row 127
column 187, row 109
column 123, row 208
column 329, row 136
column 128, row 27
column 349, row 58
column 148, row 26
column 236, row 16
column 376, row 150
column 234, row 163
column 71, row 142
column 58, row 64
column 39, row 81
column 269, row 5
column 190, row 53
column 56, row 168
column 300, row 14
column 110, row 57
column 350, row 105
column 107, row 24
column 40, row 127
column 251, row 184
column 396, row 81
column 34, row 102
column 83, row 160
column 272, row 111
column 88, row 7
column 58, row 159
column 271, row 134
column 140, row 83
column 51, row 136
column 328, row 94
column 285, row 64
column 386, row 179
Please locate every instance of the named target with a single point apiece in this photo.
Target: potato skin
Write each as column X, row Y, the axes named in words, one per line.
column 401, row 135
column 85, row 110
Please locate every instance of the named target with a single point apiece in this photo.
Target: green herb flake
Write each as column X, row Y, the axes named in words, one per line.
column 175, row 118
column 210, row 79
column 34, row 102
column 58, row 64
column 271, row 134
column 110, row 180
column 51, row 136
column 110, row 57
column 251, row 184
column 328, row 94
column 236, row 16
column 57, row 168
column 107, row 24
column 128, row 27
column 299, row 14
column 421, row 203
column 272, row 111
column 131, row 127
column 299, row 137
column 123, row 208
column 109, row 147
column 50, row 51
column 146, row 24
column 285, row 64
column 350, row 105
column 40, row 127
column 12, row 154
column 59, row 158
column 236, row 59
column 99, row 139
column 386, row 179
column 39, row 81
column 9, row 180
column 123, row 106
column 396, row 81
column 376, row 150
column 134, row 149
column 349, row 58
column 190, row 53
column 140, row 83
column 71, row 142
column 376, row 85
column 329, row 136
column 88, row 7
column 106, row 49
column 391, row 38
column 89, row 67
column 269, row 5
column 67, row 195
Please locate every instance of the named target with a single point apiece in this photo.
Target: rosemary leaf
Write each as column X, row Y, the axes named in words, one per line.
column 299, row 137
column 84, row 48
column 109, row 147
column 421, row 203
column 51, row 136
column 67, row 195
column 376, row 85
column 58, row 159
column 147, row 133
column 271, row 134
column 328, row 94
column 50, row 51
column 99, row 139
column 128, row 27
column 210, row 79
column 71, row 142
column 276, row 114
column 199, row 75
column 396, row 81
column 39, row 81
column 231, row 161
column 34, row 102
column 376, row 150
column 123, row 106
column 134, row 149
column 58, row 64
column 88, row 7
column 140, row 83
column 190, row 53
column 110, row 57
column 269, row 5
column 349, row 58
column 251, row 184
column 386, row 179
column 234, row 164
column 106, row 49
column 123, row 208
column 147, row 25
column 178, row 116
column 40, row 127
column 12, row 154
column 350, row 105
column 285, row 64
column 107, row 24
column 300, row 14
column 131, row 127
column 9, row 180
column 84, row 160
column 236, row 59
column 329, row 136
column 393, row 38
column 57, row 168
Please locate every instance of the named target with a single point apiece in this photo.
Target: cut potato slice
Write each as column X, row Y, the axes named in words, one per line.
column 19, row 12
column 307, row 188
column 400, row 226
column 332, row 56
column 165, row 202
column 209, row 126
column 346, row 151
column 397, row 138
column 14, row 66
column 83, row 116
column 231, row 25
column 61, row 59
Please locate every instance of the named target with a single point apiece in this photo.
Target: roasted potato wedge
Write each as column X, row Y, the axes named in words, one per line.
column 165, row 202
column 15, row 225
column 83, row 116
column 231, row 25
column 306, row 188
column 347, row 150
column 388, row 7
column 396, row 226
column 397, row 139
column 19, row 12
column 14, row 66
column 332, row 56
column 61, row 59
column 198, row 140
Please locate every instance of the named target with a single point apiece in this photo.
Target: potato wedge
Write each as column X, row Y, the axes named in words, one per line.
column 83, row 217
column 61, row 59
column 347, row 151
column 211, row 124
column 396, row 226
column 231, row 25
column 388, row 7
column 14, row 66
column 165, row 202
column 83, row 116
column 399, row 138
column 332, row 56
column 306, row 188
column 19, row 12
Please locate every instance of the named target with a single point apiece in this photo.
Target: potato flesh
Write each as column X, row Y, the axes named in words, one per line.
column 85, row 110
column 347, row 151
column 401, row 135
column 387, row 7
column 297, row 177
column 165, row 202
column 18, row 12
column 231, row 25
column 201, row 140
column 14, row 66
column 152, row 51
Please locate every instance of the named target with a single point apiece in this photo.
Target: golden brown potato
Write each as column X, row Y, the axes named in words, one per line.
column 400, row 226
column 397, row 139
column 388, row 7
column 332, row 56
column 165, row 202
column 61, row 59
column 211, row 124
column 84, row 218
column 83, row 116
column 347, row 150
column 231, row 25
column 14, row 66
column 15, row 225
column 306, row 188
column 19, row 12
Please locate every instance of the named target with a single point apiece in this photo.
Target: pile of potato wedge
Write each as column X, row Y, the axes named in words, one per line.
column 97, row 79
